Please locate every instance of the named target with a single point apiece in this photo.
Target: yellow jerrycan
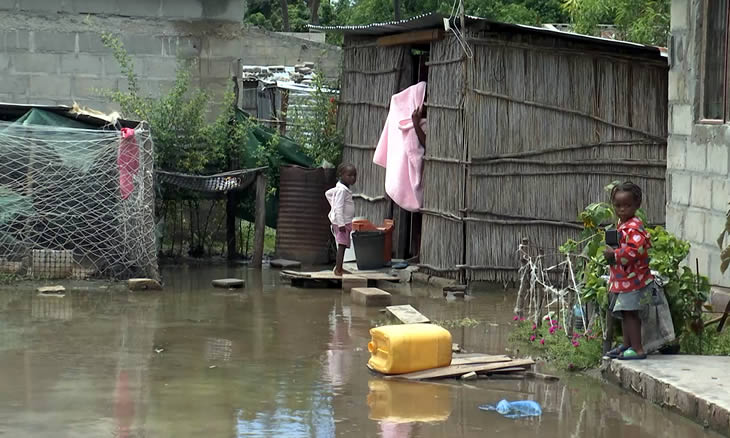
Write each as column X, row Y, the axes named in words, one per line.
column 405, row 348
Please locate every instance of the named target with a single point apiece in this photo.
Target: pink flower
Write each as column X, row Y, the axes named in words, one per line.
column 522, row 318
column 576, row 343
column 515, row 318
column 534, row 327
column 542, row 341
column 552, row 330
column 532, row 338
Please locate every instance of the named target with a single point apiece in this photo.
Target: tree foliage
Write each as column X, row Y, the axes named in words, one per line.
column 641, row 21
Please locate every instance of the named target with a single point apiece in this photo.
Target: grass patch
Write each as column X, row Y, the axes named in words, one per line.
column 6, row 278
column 710, row 342
column 550, row 342
column 247, row 237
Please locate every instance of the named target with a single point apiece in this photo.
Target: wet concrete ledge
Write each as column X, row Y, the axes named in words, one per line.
column 697, row 387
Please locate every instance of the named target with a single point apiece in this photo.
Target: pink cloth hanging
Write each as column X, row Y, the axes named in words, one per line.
column 128, row 162
column 400, row 152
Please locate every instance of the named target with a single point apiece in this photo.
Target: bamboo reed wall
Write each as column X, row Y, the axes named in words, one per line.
column 551, row 122
column 521, row 138
column 442, row 236
column 370, row 76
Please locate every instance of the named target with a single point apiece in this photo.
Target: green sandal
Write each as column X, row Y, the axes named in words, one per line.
column 630, row 354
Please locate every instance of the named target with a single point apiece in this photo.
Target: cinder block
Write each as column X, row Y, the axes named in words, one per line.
column 4, row 62
column 95, row 7
column 50, row 86
column 682, row 120
column 187, row 9
column 16, row 40
column 676, row 152
column 112, row 69
column 54, row 42
column 140, row 8
column 714, row 225
column 155, row 88
column 211, row 68
column 142, row 45
column 159, row 68
column 699, row 254
column 91, row 43
column 701, row 192
column 694, row 226
column 696, row 157
column 677, row 86
column 680, row 188
column 8, row 5
column 370, row 296
column 82, row 64
column 92, row 86
column 720, row 195
column 675, row 220
column 225, row 48
column 14, row 83
column 717, row 159
column 36, row 62
column 352, row 281
column 41, row 6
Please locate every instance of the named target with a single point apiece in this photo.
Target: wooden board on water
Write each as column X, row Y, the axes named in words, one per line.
column 330, row 276
column 407, row 314
column 285, row 264
column 474, row 359
column 459, row 370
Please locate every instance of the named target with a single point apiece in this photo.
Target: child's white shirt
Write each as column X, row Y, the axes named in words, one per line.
column 342, row 210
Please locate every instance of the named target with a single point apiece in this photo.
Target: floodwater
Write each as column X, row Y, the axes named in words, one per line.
column 269, row 361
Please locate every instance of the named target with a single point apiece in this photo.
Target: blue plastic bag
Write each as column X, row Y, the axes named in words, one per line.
column 515, row 409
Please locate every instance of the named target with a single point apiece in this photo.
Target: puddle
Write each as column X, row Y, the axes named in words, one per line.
column 269, row 361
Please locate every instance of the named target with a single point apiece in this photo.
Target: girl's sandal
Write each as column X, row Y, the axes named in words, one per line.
column 630, row 354
column 616, row 352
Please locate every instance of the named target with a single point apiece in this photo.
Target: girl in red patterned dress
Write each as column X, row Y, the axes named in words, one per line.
column 630, row 280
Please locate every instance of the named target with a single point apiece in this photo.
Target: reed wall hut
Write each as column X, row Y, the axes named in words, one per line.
column 525, row 127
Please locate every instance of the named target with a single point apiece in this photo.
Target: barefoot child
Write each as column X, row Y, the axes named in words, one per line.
column 631, row 280
column 342, row 210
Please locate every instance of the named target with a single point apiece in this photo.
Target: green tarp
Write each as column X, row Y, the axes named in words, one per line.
column 291, row 154
column 73, row 154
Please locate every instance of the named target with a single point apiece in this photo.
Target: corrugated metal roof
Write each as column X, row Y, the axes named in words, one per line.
column 436, row 20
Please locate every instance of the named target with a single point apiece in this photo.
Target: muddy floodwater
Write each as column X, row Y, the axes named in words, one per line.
column 269, row 361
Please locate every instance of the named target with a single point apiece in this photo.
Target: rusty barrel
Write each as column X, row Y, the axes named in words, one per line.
column 303, row 229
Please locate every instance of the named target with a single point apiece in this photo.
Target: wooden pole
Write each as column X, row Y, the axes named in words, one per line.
column 233, row 162
column 260, row 226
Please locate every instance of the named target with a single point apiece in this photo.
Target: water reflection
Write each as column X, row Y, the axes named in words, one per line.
column 269, row 361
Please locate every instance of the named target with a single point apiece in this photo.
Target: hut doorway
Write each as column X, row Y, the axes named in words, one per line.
column 408, row 233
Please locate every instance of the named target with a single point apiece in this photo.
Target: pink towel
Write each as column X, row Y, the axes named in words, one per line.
column 400, row 152
column 128, row 162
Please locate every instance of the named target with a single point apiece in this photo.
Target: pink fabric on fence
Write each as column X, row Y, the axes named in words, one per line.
column 400, row 152
column 128, row 162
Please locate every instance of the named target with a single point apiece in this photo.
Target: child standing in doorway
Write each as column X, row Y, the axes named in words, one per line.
column 342, row 211
column 630, row 281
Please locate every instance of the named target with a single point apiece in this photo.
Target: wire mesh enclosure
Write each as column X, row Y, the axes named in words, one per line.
column 76, row 203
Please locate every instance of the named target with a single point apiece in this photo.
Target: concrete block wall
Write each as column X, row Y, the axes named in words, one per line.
column 49, row 57
column 227, row 10
column 698, row 155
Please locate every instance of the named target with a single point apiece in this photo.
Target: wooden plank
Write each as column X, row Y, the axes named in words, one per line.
column 260, row 224
column 477, row 359
column 407, row 314
column 459, row 370
column 414, row 37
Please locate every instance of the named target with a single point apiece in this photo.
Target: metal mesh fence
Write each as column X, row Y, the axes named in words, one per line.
column 76, row 203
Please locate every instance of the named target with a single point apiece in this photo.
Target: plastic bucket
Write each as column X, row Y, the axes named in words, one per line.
column 387, row 227
column 369, row 249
